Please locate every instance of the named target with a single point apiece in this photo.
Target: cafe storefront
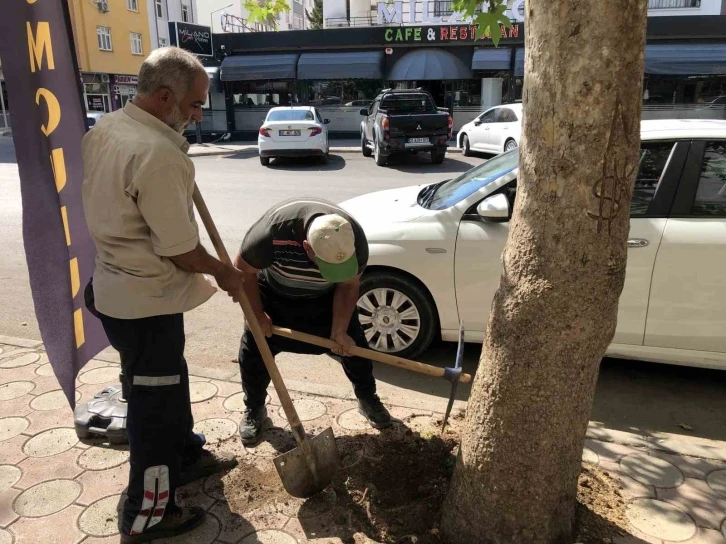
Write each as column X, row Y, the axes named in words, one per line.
column 342, row 70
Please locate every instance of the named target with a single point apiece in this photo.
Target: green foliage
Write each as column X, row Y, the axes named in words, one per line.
column 266, row 11
column 488, row 21
column 315, row 17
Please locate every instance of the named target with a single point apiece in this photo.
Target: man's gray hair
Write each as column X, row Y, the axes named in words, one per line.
column 169, row 67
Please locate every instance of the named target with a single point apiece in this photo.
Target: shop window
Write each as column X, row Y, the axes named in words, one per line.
column 103, row 33
column 250, row 94
column 710, row 198
column 346, row 93
column 136, row 47
column 653, row 159
column 703, row 91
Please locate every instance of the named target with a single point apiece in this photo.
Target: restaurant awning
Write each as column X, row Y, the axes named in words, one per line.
column 491, row 59
column 427, row 65
column 252, row 67
column 519, row 63
column 686, row 59
column 344, row 65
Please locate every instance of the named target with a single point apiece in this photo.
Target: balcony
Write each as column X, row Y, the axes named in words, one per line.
column 673, row 4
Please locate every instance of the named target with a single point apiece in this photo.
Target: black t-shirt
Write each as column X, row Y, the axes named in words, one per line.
column 274, row 245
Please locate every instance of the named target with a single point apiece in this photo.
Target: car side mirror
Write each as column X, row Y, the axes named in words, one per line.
column 495, row 209
column 326, row 121
column 364, row 112
column 477, row 123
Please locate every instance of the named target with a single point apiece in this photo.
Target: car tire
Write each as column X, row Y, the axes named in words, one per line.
column 465, row 146
column 324, row 158
column 381, row 160
column 364, row 146
column 510, row 144
column 438, row 155
column 265, row 161
column 415, row 294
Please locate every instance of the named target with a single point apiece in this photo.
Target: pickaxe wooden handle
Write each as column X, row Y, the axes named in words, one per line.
column 393, row 360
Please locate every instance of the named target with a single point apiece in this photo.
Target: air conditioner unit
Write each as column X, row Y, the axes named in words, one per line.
column 102, row 5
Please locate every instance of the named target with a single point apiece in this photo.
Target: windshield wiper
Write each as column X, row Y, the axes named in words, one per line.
column 426, row 196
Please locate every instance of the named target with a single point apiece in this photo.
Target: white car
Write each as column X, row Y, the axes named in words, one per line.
column 495, row 131
column 295, row 131
column 435, row 252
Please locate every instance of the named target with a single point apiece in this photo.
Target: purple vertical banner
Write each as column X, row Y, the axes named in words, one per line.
column 42, row 78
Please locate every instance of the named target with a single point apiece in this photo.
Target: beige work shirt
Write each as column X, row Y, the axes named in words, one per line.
column 137, row 196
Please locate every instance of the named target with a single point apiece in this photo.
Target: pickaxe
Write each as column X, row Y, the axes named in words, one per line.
column 453, row 374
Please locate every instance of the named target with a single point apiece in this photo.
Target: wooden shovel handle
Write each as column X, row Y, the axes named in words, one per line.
column 400, row 362
column 295, row 425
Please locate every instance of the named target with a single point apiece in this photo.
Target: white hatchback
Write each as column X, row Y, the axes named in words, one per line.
column 496, row 130
column 435, row 252
column 295, row 131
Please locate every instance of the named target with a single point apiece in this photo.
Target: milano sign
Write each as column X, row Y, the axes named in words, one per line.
column 425, row 12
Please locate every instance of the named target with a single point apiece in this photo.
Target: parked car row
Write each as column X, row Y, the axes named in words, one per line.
column 435, row 249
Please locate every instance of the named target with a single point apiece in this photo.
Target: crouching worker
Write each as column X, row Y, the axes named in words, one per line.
column 302, row 263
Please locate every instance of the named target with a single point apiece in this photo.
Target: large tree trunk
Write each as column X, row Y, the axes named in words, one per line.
column 564, row 266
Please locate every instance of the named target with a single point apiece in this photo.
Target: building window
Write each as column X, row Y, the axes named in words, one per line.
column 159, row 9
column 136, row 48
column 298, row 22
column 185, row 13
column 132, row 5
column 163, row 42
column 673, row 4
column 104, row 38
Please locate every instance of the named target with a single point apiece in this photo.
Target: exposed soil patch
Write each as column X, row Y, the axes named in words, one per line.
column 390, row 489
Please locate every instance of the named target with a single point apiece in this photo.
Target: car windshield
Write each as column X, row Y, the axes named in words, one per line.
column 448, row 194
column 291, row 115
column 407, row 104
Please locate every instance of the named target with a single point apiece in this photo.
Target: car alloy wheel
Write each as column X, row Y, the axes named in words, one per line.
column 390, row 319
column 511, row 144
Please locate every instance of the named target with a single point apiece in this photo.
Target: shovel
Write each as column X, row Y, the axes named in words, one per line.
column 310, row 467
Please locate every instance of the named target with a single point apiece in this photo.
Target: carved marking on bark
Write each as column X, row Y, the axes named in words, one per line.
column 615, row 180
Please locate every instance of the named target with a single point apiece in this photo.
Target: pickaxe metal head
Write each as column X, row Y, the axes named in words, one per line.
column 453, row 374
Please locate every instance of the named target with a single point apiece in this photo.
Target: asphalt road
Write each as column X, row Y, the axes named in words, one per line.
column 631, row 396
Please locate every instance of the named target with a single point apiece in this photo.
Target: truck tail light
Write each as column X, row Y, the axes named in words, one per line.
column 451, row 122
column 314, row 131
column 385, row 124
column 265, row 132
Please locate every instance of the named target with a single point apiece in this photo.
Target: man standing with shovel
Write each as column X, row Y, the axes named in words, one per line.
column 302, row 263
column 137, row 196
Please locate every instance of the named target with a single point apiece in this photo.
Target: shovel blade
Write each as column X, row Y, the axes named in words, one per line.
column 310, row 467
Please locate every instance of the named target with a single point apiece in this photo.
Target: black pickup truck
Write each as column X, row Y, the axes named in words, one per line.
column 401, row 121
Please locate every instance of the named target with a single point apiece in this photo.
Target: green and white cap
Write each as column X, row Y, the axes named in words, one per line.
column 332, row 240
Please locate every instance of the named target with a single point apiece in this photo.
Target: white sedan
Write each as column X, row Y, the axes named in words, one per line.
column 496, row 130
column 295, row 131
column 435, row 252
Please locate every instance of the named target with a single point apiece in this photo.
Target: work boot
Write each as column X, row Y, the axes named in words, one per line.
column 207, row 464
column 373, row 410
column 176, row 521
column 251, row 425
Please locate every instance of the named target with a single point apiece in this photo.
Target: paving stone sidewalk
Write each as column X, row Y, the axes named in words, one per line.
column 57, row 489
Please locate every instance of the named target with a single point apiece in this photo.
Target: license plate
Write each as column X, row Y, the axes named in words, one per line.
column 289, row 133
column 418, row 140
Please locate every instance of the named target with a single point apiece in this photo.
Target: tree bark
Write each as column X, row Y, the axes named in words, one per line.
column 555, row 311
